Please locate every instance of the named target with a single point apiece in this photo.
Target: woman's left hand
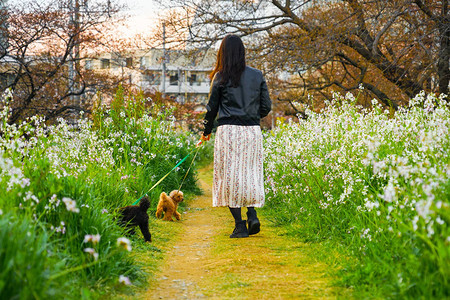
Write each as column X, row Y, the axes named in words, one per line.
column 203, row 138
column 206, row 137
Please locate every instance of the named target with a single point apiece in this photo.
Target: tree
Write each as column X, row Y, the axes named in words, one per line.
column 47, row 42
column 393, row 49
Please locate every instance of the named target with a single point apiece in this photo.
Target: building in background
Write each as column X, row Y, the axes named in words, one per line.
column 184, row 78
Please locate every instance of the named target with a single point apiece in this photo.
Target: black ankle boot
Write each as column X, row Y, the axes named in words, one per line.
column 240, row 230
column 253, row 222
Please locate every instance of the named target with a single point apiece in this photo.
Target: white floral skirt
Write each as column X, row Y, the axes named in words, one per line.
column 238, row 167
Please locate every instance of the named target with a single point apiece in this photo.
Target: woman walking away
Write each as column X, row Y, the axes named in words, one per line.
column 240, row 97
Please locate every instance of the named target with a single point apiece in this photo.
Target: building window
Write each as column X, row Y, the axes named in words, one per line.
column 105, row 63
column 152, row 78
column 174, row 79
column 192, row 79
column 129, row 62
column 201, row 78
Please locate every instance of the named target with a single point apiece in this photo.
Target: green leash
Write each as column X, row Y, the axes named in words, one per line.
column 176, row 166
column 187, row 172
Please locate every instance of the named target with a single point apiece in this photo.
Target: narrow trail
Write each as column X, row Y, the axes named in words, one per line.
column 204, row 263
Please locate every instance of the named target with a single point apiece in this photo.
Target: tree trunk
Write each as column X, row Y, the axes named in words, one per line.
column 444, row 53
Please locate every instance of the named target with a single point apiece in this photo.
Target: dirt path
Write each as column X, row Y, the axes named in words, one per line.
column 204, row 263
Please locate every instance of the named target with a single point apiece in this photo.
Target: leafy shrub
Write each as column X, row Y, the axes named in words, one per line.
column 376, row 185
column 64, row 184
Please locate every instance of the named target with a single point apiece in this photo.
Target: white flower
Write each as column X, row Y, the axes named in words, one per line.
column 1, row 212
column 53, row 199
column 389, row 192
column 104, row 211
column 414, row 222
column 89, row 250
column 70, row 205
column 438, row 220
column 125, row 280
column 423, row 208
column 430, row 229
column 95, row 238
column 61, row 228
column 365, row 234
column 124, row 243
column 25, row 182
column 29, row 195
column 92, row 252
column 370, row 205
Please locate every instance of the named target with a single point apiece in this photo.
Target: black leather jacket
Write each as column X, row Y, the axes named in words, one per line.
column 244, row 105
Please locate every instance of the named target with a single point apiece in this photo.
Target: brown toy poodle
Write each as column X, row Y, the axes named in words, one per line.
column 169, row 204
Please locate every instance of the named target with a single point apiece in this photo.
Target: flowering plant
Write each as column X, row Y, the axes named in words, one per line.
column 376, row 183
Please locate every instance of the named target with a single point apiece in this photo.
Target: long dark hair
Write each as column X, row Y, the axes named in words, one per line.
column 230, row 60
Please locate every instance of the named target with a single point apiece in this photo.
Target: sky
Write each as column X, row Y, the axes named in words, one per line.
column 143, row 16
column 142, row 20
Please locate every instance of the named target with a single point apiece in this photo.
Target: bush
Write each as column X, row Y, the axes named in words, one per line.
column 62, row 184
column 375, row 185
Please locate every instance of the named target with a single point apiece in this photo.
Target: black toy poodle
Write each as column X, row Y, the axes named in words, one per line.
column 136, row 215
